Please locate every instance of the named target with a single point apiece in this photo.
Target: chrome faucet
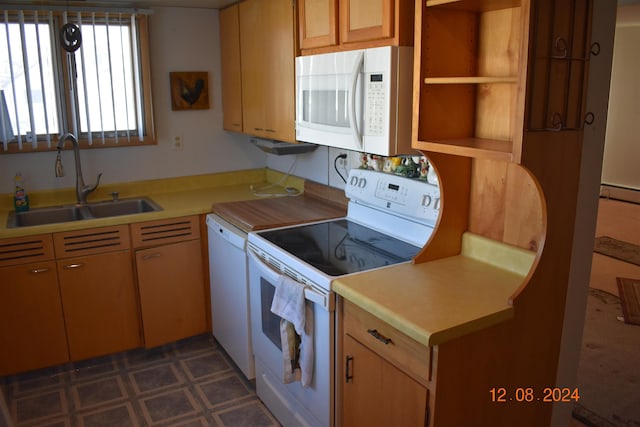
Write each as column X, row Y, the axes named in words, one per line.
column 82, row 190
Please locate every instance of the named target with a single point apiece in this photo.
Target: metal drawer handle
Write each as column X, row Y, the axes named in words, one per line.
column 151, row 256
column 377, row 335
column 72, row 266
column 348, row 374
column 39, row 270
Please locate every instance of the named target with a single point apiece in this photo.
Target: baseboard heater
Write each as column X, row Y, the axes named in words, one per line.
column 626, row 194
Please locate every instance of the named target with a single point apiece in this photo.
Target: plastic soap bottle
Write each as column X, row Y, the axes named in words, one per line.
column 20, row 198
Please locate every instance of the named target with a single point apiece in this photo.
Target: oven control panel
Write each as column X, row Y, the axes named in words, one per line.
column 407, row 197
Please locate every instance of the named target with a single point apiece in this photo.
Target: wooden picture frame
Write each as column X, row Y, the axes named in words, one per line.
column 189, row 90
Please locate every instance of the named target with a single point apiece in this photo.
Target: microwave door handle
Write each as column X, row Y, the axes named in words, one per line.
column 353, row 120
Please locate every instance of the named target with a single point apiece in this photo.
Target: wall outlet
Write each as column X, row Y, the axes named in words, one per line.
column 178, row 143
column 343, row 166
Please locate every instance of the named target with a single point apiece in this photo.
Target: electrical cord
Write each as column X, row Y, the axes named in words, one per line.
column 335, row 165
column 289, row 191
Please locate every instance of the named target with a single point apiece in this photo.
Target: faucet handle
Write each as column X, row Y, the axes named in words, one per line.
column 97, row 182
column 115, row 195
column 88, row 189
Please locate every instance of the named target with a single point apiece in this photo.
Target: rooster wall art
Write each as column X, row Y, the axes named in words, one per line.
column 189, row 90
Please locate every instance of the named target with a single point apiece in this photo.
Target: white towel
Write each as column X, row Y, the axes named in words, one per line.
column 289, row 304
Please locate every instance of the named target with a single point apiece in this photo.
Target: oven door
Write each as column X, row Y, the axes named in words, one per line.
column 291, row 403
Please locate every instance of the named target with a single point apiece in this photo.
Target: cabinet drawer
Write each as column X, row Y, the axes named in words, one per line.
column 397, row 348
column 163, row 232
column 91, row 241
column 23, row 250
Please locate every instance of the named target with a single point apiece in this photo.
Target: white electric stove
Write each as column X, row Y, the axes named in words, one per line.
column 389, row 219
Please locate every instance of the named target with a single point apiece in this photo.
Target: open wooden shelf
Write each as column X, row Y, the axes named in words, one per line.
column 468, row 78
column 474, row 5
column 471, row 147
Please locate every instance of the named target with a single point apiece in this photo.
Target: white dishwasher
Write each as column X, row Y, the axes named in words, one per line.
column 230, row 292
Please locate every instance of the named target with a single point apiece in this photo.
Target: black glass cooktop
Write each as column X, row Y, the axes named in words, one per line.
column 341, row 246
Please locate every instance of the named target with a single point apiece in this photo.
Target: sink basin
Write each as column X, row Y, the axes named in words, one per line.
column 121, row 207
column 50, row 215
column 67, row 213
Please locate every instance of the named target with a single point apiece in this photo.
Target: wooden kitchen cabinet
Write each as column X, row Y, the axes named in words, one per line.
column 98, row 292
column 384, row 373
column 491, row 70
column 363, row 20
column 500, row 93
column 317, row 23
column 334, row 25
column 466, row 96
column 170, row 279
column 230, row 71
column 267, row 52
column 32, row 330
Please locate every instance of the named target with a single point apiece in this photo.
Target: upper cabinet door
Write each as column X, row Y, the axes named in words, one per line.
column 230, row 72
column 267, row 63
column 338, row 25
column 318, row 23
column 364, row 20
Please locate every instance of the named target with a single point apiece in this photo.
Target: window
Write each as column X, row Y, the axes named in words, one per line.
column 84, row 72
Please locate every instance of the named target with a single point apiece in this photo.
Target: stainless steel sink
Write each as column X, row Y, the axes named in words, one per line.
column 121, row 207
column 67, row 213
column 50, row 215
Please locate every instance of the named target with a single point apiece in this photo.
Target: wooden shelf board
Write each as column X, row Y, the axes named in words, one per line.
column 475, row 5
column 470, row 80
column 471, row 147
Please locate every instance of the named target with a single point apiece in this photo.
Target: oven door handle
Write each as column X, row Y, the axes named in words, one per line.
column 323, row 300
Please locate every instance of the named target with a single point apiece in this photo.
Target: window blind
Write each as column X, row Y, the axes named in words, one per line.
column 95, row 92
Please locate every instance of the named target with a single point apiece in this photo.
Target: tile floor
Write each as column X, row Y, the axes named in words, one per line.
column 188, row 383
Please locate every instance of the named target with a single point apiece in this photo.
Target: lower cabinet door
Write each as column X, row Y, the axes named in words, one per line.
column 32, row 331
column 100, row 304
column 172, row 294
column 376, row 393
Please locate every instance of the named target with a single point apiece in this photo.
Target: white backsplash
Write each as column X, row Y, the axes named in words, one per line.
column 317, row 165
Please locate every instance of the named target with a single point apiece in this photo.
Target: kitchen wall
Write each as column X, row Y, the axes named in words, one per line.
column 182, row 39
column 622, row 148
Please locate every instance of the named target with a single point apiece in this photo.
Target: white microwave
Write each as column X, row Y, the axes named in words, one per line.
column 357, row 100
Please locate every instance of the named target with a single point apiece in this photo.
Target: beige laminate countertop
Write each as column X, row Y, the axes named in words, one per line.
column 437, row 301
column 182, row 196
